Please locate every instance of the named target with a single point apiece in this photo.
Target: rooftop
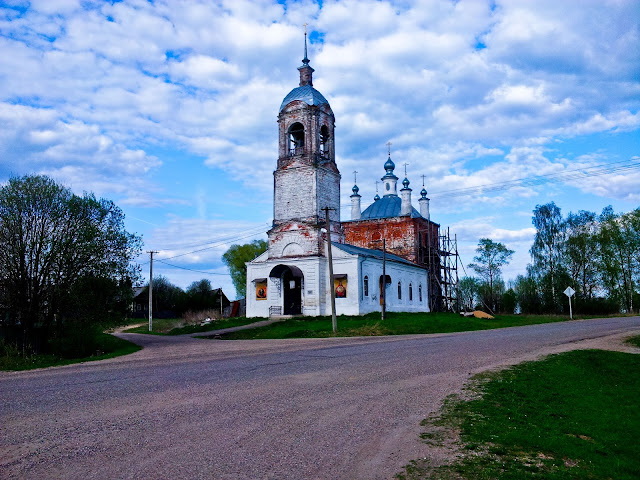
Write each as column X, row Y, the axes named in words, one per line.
column 306, row 94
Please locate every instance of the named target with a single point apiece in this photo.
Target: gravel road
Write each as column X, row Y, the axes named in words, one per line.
column 184, row 408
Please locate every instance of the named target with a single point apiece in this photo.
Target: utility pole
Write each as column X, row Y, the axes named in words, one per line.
column 383, row 284
column 334, row 321
column 151, row 252
column 384, row 278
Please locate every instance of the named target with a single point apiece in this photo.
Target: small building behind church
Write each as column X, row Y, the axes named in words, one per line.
column 292, row 276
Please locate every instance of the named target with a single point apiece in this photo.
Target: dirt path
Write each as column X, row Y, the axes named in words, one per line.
column 340, row 408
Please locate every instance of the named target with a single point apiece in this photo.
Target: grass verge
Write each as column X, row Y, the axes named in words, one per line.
column 107, row 346
column 635, row 341
column 394, row 324
column 175, row 326
column 569, row 416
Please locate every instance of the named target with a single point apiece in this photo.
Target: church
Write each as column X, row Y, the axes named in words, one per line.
column 292, row 277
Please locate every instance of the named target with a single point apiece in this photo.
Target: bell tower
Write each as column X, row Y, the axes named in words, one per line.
column 306, row 179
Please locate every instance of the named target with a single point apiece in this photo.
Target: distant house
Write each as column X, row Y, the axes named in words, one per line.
column 172, row 308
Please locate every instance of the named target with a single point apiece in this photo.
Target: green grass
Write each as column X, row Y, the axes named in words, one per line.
column 635, row 341
column 174, row 326
column 107, row 346
column 394, row 324
column 570, row 416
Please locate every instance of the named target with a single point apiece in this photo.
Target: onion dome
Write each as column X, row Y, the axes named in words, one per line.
column 423, row 192
column 355, row 191
column 389, row 166
column 405, row 182
column 376, row 198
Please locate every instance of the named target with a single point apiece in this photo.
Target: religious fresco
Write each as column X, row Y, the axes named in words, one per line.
column 340, row 287
column 261, row 290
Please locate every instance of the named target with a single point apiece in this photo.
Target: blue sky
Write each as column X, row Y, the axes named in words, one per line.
column 169, row 108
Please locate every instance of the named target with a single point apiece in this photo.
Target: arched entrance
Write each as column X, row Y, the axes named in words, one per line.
column 291, row 278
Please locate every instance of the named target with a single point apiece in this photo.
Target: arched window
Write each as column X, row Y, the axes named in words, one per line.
column 296, row 139
column 366, row 286
column 399, row 291
column 420, row 292
column 410, row 293
column 324, row 140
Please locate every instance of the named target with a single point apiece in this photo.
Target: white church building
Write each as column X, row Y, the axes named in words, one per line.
column 292, row 276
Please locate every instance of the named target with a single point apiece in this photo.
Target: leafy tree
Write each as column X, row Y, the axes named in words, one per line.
column 548, row 244
column 509, row 301
column 527, row 293
column 168, row 299
column 56, row 247
column 619, row 241
column 201, row 296
column 492, row 256
column 236, row 258
column 468, row 288
column 581, row 251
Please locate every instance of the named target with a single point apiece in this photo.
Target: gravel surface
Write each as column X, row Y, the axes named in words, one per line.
column 185, row 408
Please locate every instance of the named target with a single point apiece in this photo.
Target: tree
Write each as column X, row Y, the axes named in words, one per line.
column 468, row 288
column 527, row 293
column 236, row 258
column 581, row 250
column 619, row 241
column 548, row 244
column 55, row 246
column 492, row 256
column 201, row 296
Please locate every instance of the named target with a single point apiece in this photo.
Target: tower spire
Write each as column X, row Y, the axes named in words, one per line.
column 306, row 72
column 305, row 60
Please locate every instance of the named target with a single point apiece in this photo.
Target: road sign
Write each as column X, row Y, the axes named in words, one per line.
column 569, row 293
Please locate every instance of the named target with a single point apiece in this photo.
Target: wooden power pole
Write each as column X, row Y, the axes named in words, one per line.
column 334, row 321
column 151, row 252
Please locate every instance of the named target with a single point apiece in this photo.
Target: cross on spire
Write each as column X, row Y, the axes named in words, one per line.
column 389, row 148
column 423, row 176
column 377, row 182
column 405, row 169
column 355, row 176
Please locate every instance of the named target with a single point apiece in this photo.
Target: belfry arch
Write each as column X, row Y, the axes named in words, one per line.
column 295, row 137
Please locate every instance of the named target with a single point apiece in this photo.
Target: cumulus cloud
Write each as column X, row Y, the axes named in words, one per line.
column 103, row 94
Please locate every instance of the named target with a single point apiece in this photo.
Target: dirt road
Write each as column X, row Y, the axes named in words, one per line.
column 185, row 408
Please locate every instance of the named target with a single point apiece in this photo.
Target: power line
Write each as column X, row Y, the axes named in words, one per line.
column 192, row 269
column 221, row 238
column 215, row 245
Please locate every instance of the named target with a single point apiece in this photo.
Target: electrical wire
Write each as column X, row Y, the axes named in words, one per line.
column 192, row 269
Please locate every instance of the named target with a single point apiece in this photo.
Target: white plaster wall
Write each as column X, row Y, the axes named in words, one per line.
column 406, row 274
column 311, row 289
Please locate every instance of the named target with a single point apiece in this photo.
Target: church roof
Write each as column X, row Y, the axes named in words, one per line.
column 306, row 94
column 387, row 207
column 368, row 252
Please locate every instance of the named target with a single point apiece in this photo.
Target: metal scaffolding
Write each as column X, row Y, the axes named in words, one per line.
column 449, row 267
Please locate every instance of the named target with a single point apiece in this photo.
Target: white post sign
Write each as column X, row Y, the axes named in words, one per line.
column 569, row 293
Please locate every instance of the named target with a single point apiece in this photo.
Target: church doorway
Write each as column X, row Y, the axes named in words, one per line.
column 292, row 294
column 291, row 279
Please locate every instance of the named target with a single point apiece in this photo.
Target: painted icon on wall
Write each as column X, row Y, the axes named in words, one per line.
column 340, row 286
column 261, row 290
